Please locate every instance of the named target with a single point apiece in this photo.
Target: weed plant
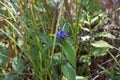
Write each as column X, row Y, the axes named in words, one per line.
column 49, row 40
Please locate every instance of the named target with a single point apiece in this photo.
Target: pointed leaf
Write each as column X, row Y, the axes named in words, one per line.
column 48, row 45
column 68, row 71
column 69, row 53
column 101, row 44
column 81, row 78
column 18, row 64
column 107, row 35
column 99, row 51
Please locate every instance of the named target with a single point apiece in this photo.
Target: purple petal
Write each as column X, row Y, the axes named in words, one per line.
column 61, row 35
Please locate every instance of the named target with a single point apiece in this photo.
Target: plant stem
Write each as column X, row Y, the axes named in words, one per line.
column 60, row 12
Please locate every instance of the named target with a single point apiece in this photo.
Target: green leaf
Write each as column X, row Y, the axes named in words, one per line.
column 68, row 71
column 118, row 9
column 101, row 44
column 85, row 59
column 9, row 76
column 69, row 53
column 84, row 38
column 2, row 44
column 18, row 64
column 48, row 45
column 107, row 35
column 70, row 41
column 3, row 56
column 81, row 78
column 95, row 19
column 43, row 37
column 99, row 51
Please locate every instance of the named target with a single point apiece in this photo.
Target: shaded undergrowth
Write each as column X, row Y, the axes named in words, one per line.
column 56, row 40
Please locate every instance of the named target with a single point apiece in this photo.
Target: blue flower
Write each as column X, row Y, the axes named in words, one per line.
column 61, row 35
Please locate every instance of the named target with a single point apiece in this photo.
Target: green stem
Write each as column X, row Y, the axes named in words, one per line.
column 60, row 12
column 114, row 59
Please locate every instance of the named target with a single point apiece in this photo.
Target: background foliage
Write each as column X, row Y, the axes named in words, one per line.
column 30, row 47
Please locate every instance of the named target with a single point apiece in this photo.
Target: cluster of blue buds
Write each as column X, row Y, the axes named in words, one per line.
column 61, row 35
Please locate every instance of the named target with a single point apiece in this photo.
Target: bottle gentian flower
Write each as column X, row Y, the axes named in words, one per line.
column 61, row 35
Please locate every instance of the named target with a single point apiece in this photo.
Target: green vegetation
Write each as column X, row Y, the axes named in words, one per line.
column 48, row 40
